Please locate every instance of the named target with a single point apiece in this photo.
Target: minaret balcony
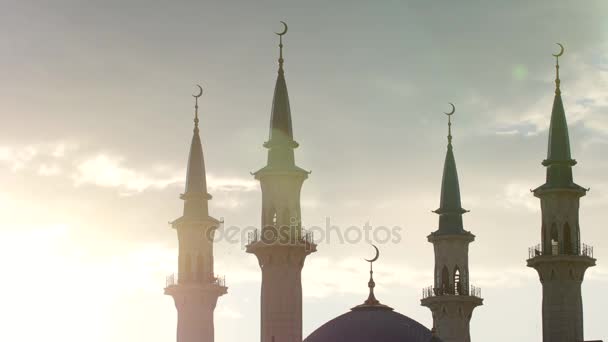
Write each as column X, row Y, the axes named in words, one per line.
column 289, row 237
column 582, row 250
column 471, row 291
column 172, row 280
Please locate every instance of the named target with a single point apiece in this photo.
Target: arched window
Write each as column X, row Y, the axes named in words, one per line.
column 445, row 280
column 568, row 246
column 554, row 240
column 457, row 283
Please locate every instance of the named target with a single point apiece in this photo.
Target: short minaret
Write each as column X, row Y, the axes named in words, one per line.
column 196, row 288
column 451, row 299
column 560, row 259
column 282, row 245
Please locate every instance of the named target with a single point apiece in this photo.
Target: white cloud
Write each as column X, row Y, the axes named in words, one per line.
column 583, row 97
column 516, row 195
column 231, row 184
column 20, row 157
column 49, row 169
column 17, row 158
column 507, row 132
column 108, row 171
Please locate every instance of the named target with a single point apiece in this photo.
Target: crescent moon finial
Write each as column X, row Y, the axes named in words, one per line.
column 561, row 51
column 285, row 28
column 200, row 91
column 196, row 96
column 453, row 109
column 450, row 122
column 281, row 34
column 557, row 56
column 375, row 257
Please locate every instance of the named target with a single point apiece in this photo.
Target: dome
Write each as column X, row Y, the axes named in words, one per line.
column 371, row 324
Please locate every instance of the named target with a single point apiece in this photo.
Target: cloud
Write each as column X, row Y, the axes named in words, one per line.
column 108, row 171
column 507, row 132
column 231, row 184
column 19, row 157
column 583, row 96
column 516, row 195
column 49, row 169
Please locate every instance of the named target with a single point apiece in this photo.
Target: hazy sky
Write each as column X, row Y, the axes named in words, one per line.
column 97, row 120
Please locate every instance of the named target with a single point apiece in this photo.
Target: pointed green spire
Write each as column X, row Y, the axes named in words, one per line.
column 450, row 209
column 280, row 142
column 559, row 161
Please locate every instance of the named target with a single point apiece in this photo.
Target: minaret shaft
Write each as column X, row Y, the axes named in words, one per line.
column 561, row 262
column 452, row 299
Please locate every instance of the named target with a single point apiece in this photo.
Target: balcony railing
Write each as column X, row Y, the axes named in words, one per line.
column 431, row 291
column 172, row 280
column 582, row 250
column 270, row 235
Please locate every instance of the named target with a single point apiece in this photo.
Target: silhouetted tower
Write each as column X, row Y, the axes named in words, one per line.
column 452, row 299
column 196, row 288
column 282, row 245
column 560, row 259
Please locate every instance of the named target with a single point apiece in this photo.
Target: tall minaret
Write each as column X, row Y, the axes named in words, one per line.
column 196, row 288
column 451, row 299
column 282, row 245
column 560, row 259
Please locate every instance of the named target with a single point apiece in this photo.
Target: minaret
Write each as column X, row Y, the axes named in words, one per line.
column 560, row 259
column 451, row 299
column 196, row 288
column 282, row 245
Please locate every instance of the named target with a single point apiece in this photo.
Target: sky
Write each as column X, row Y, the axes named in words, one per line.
column 96, row 121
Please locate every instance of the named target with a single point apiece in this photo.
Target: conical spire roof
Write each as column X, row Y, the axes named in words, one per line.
column 195, row 197
column 196, row 179
column 280, row 118
column 280, row 142
column 559, row 142
column 450, row 208
column 450, row 187
column 559, row 161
